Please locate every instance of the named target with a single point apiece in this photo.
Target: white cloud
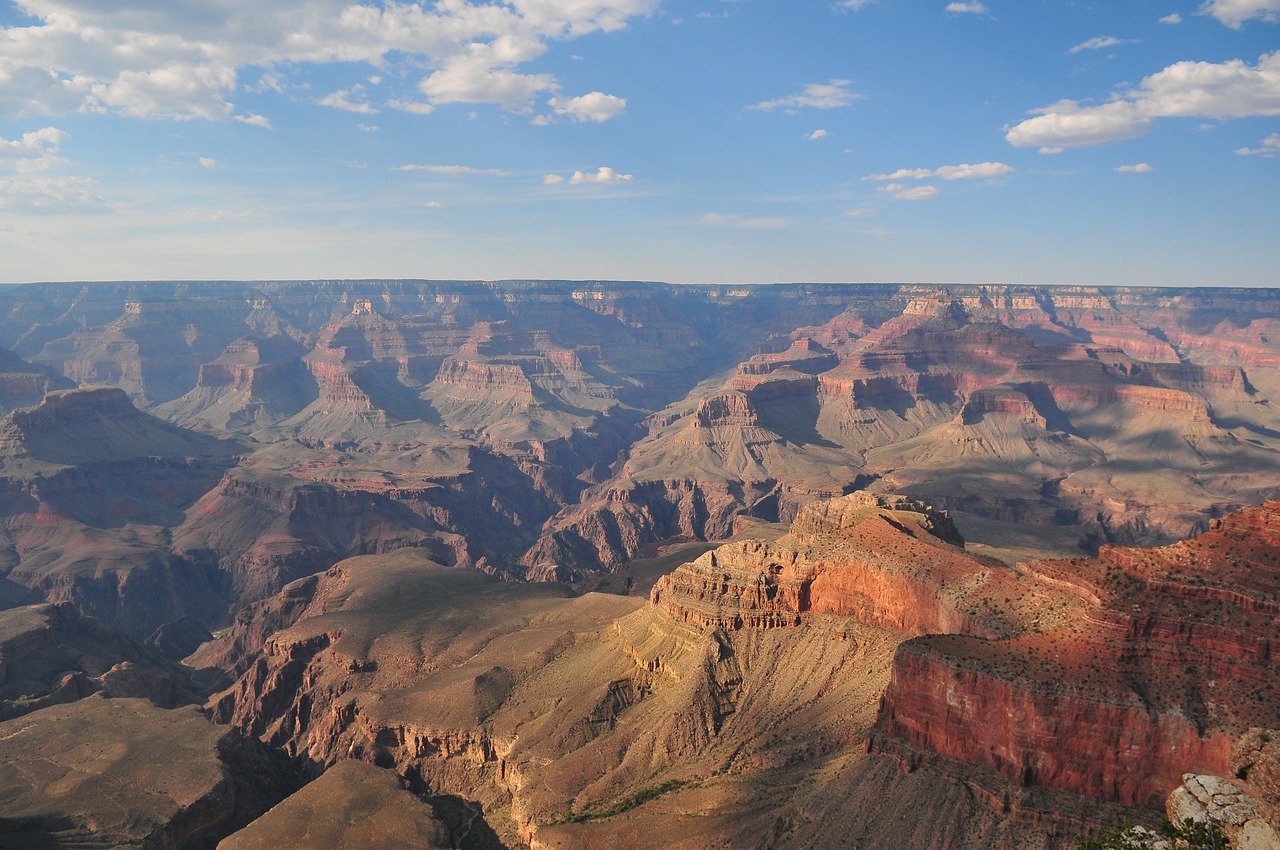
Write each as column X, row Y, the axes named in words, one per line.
column 341, row 99
column 483, row 73
column 1102, row 42
column 1270, row 147
column 973, row 171
column 964, row 171
column 1172, row 18
column 854, row 5
column 902, row 192
column 50, row 195
column 1139, row 168
column 816, row 134
column 1231, row 89
column 40, row 142
column 595, row 106
column 253, row 120
column 604, row 175
column 208, row 162
column 181, row 60
column 903, row 174
column 37, row 150
column 974, row 8
column 412, row 106
column 552, row 179
column 455, row 169
column 829, row 95
column 744, row 222
column 1234, row 13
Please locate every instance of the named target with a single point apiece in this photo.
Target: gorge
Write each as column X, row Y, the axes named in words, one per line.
column 587, row 564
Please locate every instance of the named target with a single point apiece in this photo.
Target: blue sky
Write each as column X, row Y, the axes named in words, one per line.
column 1118, row 142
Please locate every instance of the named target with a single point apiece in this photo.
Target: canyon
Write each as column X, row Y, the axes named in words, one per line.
column 580, row 564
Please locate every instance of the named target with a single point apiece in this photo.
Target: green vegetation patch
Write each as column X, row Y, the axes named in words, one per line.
column 626, row 804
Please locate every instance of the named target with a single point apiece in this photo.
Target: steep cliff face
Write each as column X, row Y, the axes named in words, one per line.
column 1167, row 664
column 50, row 654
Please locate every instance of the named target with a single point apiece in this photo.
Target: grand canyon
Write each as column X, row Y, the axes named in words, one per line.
column 567, row 564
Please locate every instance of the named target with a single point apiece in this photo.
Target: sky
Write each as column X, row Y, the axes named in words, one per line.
column 1113, row 142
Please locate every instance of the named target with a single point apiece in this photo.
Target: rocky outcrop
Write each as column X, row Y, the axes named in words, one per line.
column 53, row 433
column 890, row 562
column 1214, row 800
column 630, row 518
column 50, row 655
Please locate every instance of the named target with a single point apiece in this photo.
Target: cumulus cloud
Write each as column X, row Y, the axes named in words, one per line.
column 964, row 171
column 902, row 192
column 1234, row 13
column 552, row 179
column 974, row 8
column 1270, row 147
column 183, row 61
column 595, row 106
column 34, row 151
column 854, row 5
column 485, row 74
column 253, row 120
column 816, row 134
column 208, row 162
column 341, row 99
column 605, row 174
column 1102, row 42
column 1171, row 18
column 1232, row 89
column 829, row 95
column 1138, row 168
column 455, row 169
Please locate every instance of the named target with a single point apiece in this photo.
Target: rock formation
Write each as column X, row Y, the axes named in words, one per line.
column 1165, row 665
column 50, row 655
column 387, row 437
column 559, row 718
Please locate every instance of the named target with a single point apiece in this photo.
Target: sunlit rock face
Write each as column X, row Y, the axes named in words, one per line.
column 1167, row 662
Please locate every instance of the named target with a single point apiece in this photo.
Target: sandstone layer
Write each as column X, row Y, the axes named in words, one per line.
column 1168, row 661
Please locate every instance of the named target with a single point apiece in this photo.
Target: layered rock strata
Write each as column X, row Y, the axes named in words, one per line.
column 1157, row 675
